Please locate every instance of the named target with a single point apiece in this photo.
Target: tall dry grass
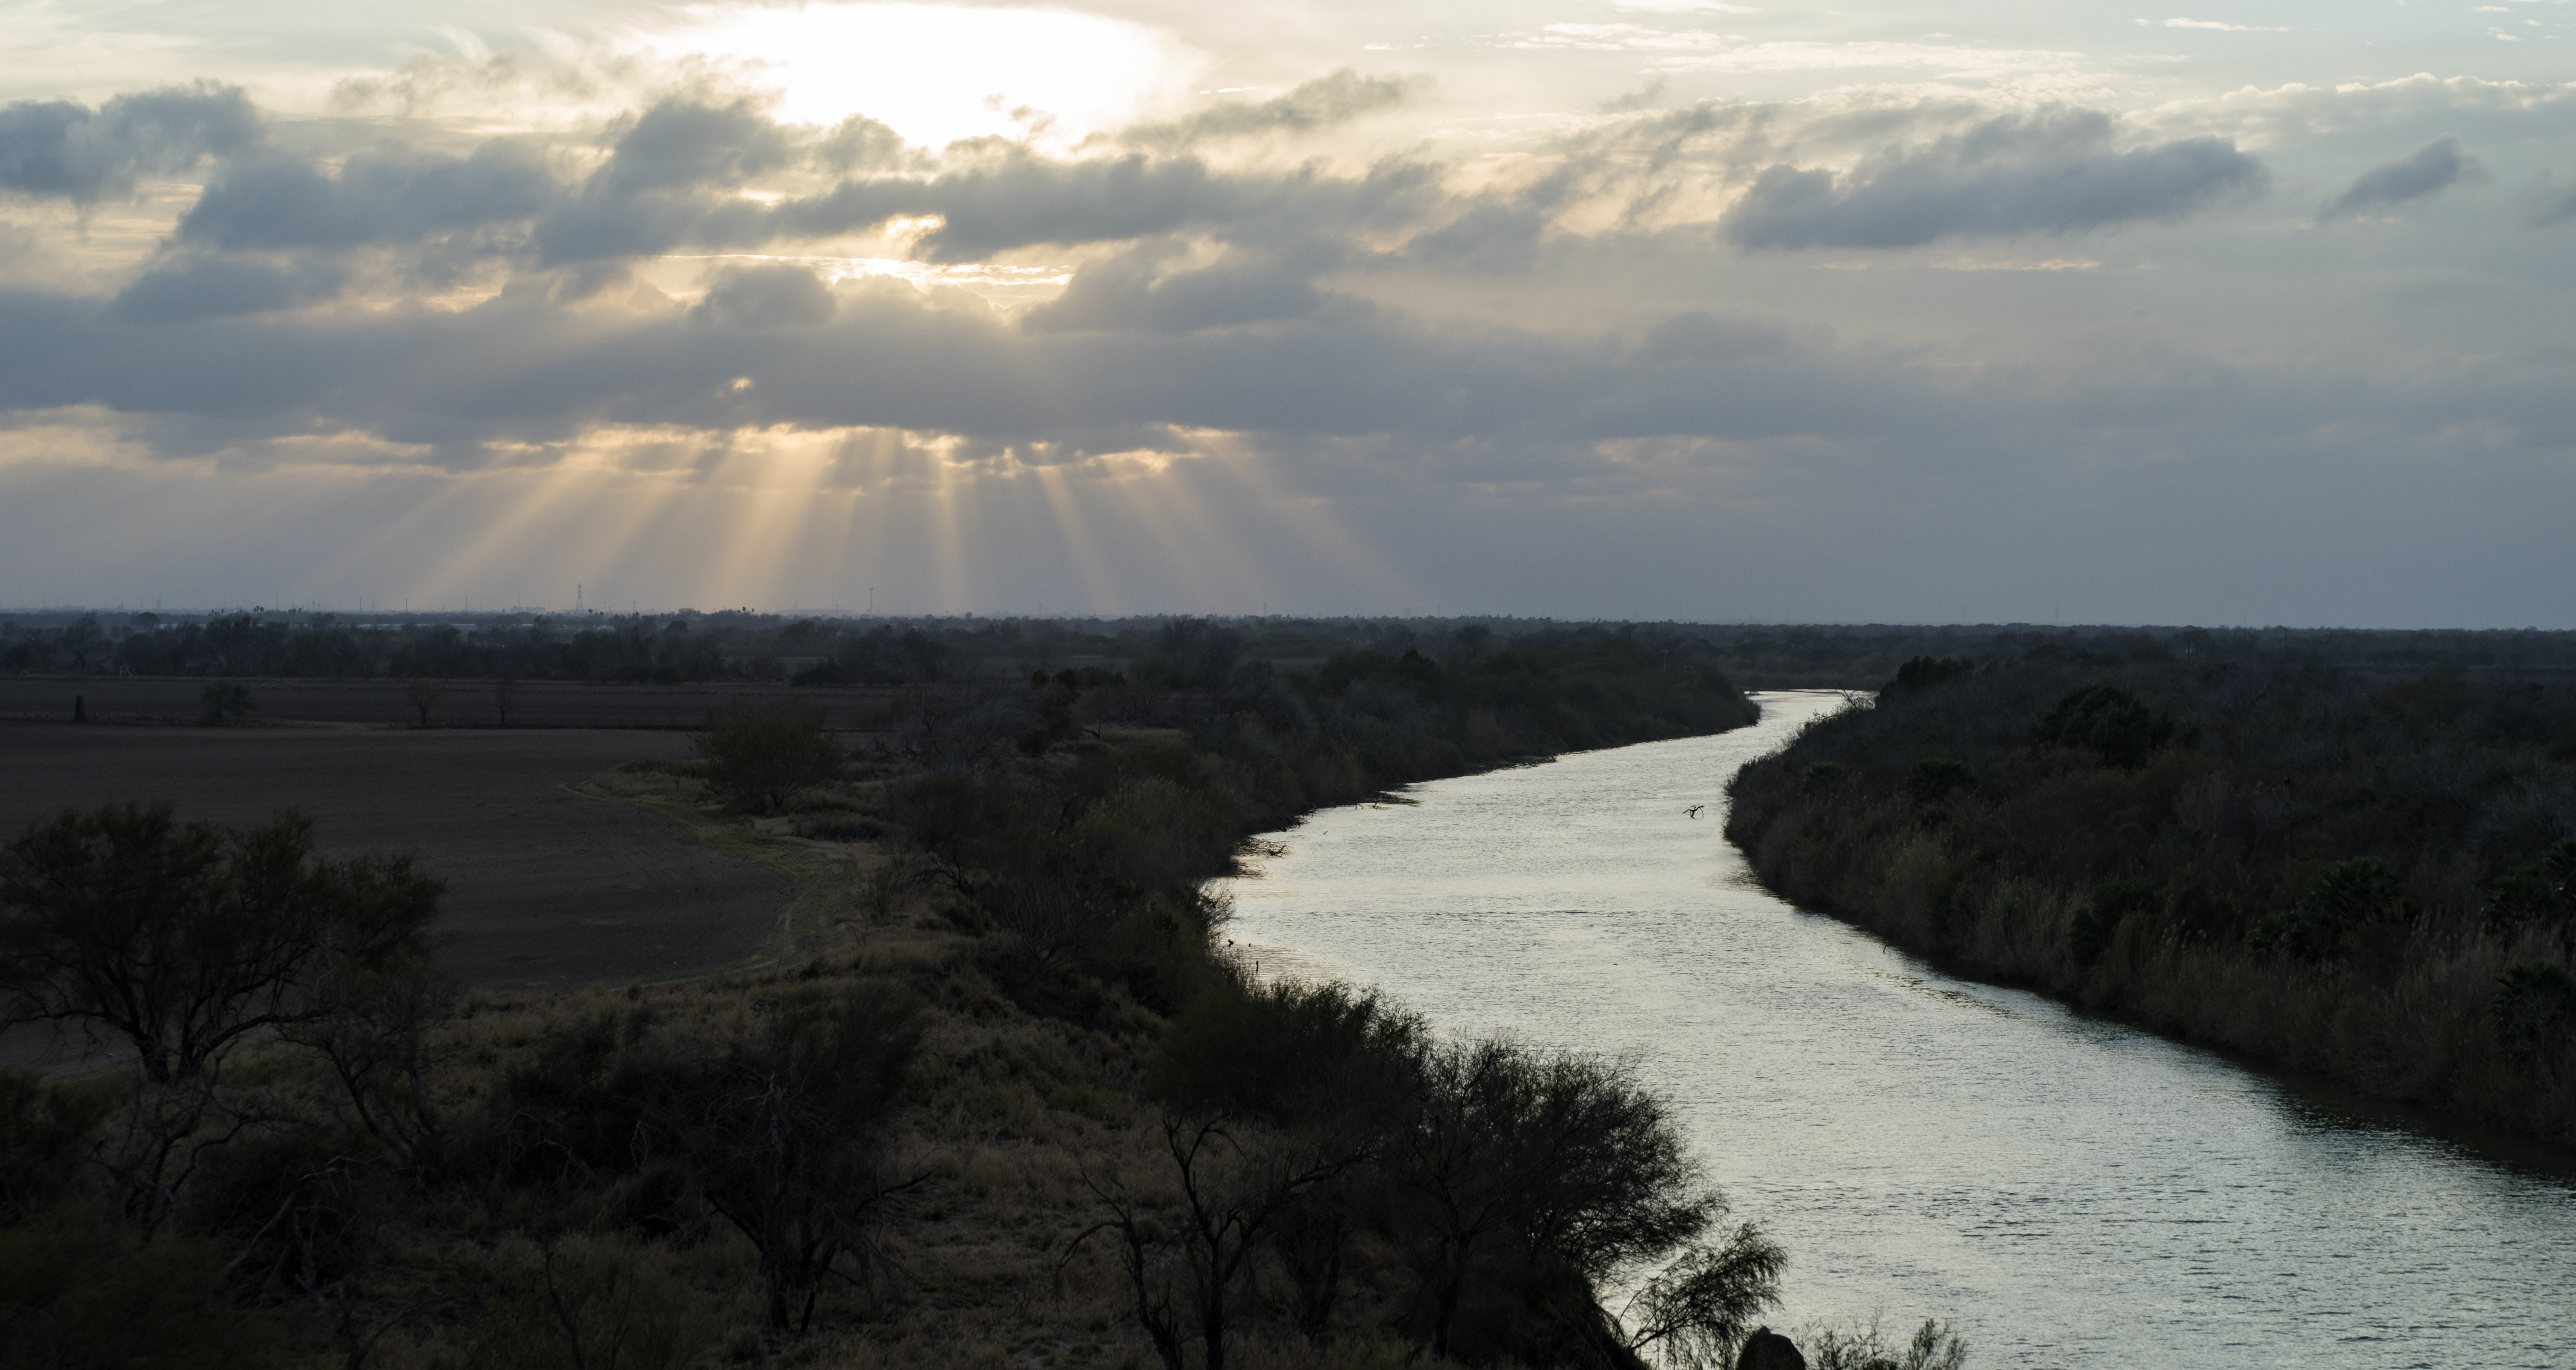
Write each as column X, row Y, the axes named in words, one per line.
column 2411, row 1022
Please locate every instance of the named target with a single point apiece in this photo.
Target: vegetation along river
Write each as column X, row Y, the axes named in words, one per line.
column 2068, row 1191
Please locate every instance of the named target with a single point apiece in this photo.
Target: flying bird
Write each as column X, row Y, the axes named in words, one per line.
column 1694, row 809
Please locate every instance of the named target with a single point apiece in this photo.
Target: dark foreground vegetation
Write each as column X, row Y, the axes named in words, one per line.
column 998, row 1098
column 2335, row 857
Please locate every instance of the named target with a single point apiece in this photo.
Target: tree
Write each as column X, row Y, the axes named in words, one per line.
column 1232, row 1196
column 2540, row 896
column 785, row 1139
column 1553, row 1175
column 185, row 940
column 2347, row 897
column 759, row 754
column 224, row 701
column 423, row 694
column 2108, row 721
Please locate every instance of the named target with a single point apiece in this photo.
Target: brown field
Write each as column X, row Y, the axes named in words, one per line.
column 546, row 889
column 460, row 703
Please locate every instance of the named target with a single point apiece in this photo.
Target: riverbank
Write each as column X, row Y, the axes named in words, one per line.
column 887, row 1145
column 2318, row 871
column 2069, row 1190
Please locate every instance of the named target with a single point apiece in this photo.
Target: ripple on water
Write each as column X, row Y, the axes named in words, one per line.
column 2069, row 1191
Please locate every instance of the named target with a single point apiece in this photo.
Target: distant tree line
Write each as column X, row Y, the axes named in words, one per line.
column 693, row 647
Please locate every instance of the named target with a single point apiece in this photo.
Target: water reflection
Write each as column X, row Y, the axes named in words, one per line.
column 2070, row 1191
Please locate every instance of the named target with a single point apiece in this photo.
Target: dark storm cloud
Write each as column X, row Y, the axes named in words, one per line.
column 195, row 286
column 2420, row 175
column 1447, row 404
column 59, row 149
column 1322, row 103
column 380, row 196
column 2050, row 172
column 680, row 144
column 522, row 369
column 669, row 182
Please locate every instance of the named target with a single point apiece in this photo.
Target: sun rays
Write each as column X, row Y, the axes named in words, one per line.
column 815, row 519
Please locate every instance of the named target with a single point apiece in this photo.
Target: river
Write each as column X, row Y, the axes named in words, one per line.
column 2066, row 1191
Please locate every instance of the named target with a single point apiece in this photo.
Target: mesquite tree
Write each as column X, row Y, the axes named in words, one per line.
column 185, row 940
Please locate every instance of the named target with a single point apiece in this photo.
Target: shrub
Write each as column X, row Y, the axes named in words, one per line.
column 44, row 1132
column 2349, row 896
column 2540, row 896
column 78, row 1293
column 1526, row 1182
column 784, row 1138
column 759, row 754
column 2534, row 1008
column 1932, row 1347
column 1930, row 782
column 592, row 1303
column 1923, row 672
column 2095, row 924
column 222, row 703
column 831, row 826
column 2107, row 721
column 1289, row 1052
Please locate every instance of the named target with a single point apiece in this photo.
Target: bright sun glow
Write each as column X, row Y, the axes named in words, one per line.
column 938, row 73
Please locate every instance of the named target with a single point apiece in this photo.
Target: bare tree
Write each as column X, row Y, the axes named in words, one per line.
column 784, row 1139
column 1187, row 1266
column 424, row 694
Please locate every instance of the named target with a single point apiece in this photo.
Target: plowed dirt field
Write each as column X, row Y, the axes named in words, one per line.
column 545, row 888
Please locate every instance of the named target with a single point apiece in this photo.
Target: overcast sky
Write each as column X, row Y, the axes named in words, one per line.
column 2263, row 313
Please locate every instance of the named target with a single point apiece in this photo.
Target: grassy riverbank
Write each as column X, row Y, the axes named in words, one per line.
column 2332, row 865
column 994, row 1098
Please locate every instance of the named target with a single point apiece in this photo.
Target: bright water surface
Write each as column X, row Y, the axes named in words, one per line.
column 2068, row 1192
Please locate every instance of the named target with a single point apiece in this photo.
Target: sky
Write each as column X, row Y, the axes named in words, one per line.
column 2245, row 313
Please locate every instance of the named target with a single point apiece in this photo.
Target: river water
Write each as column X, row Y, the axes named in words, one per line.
column 2066, row 1191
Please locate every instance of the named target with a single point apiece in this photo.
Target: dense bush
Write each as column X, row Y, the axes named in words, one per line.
column 1518, row 1188
column 757, row 755
column 2314, row 862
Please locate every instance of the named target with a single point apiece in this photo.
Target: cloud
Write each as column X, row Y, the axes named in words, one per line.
column 2420, row 175
column 2049, row 172
column 2294, row 114
column 195, row 287
column 1682, row 7
column 2217, row 26
column 1325, row 102
column 60, row 149
column 766, row 298
column 1812, row 56
column 670, row 180
column 1134, row 291
column 386, row 195
column 2547, row 204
